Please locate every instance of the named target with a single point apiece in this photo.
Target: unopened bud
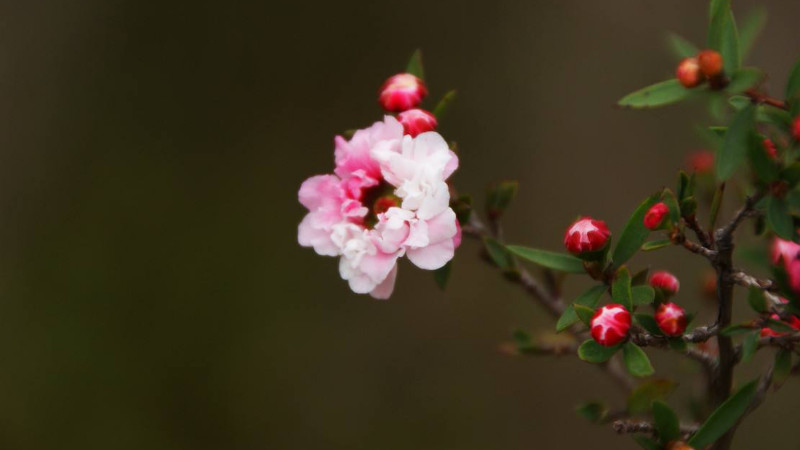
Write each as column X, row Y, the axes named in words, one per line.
column 688, row 73
column 610, row 325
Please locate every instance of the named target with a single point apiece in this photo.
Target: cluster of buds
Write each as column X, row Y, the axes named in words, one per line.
column 402, row 94
column 694, row 71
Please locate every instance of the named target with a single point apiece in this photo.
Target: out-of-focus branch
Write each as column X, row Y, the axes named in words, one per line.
column 624, row 426
column 760, row 97
column 745, row 211
column 743, row 279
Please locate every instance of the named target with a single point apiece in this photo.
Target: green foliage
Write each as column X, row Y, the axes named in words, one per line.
column 723, row 35
column 752, row 24
column 591, row 351
column 634, row 234
column 594, row 412
column 779, row 218
column 646, row 443
column 655, row 245
column 551, row 260
column 642, row 397
column 414, row 66
column 756, row 300
column 660, row 94
column 778, row 326
column 443, row 105
column 793, row 84
column 636, row 360
column 642, row 295
column 750, row 345
column 442, row 274
column 647, row 322
column 589, row 299
column 743, row 79
column 462, row 206
column 500, row 197
column 585, row 314
column 621, row 289
column 782, row 367
column 680, row 46
column 734, row 147
column 765, row 168
column 736, row 329
column 724, row 417
column 499, row 254
column 666, row 421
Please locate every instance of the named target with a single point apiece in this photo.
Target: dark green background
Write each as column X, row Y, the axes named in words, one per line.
column 152, row 292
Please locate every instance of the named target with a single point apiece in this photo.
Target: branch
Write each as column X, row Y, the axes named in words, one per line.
column 680, row 239
column 624, row 426
column 743, row 279
column 745, row 211
column 760, row 97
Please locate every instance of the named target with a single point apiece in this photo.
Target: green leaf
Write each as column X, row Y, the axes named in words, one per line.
column 750, row 345
column 666, row 421
column 659, row 94
column 734, row 147
column 594, row 412
column 779, row 219
column 672, row 203
column 642, row 397
column 552, row 260
column 752, row 24
column 634, row 234
column 640, row 277
column 736, row 329
column 444, row 104
column 642, row 295
column 681, row 47
column 500, row 196
column 648, row 323
column 499, row 254
column 589, row 299
column 677, row 343
column 716, row 202
column 462, row 206
column 442, row 274
column 782, row 367
column 655, row 245
column 764, row 167
column 743, row 79
column 621, row 289
column 755, row 297
column 646, row 443
column 724, row 417
column 778, row 326
column 584, row 313
column 793, row 85
column 414, row 66
column 723, row 35
column 636, row 360
column 591, row 351
column 791, row 174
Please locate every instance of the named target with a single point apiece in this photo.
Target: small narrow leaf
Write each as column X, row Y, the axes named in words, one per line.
column 659, row 94
column 779, row 219
column 724, row 417
column 584, row 313
column 716, row 202
column 763, row 166
column 793, row 85
column 551, row 260
column 500, row 197
column 640, row 277
column 642, row 397
column 666, row 421
column 646, row 443
column 443, row 105
column 782, row 367
column 636, row 360
column 723, row 35
column 751, row 27
column 634, row 234
column 734, row 147
column 591, row 351
column 750, row 345
column 755, row 297
column 588, row 299
column 499, row 254
column 655, row 245
column 648, row 323
column 442, row 274
column 621, row 289
column 778, row 326
column 791, row 174
column 733, row 330
column 414, row 66
column 743, row 79
column 642, row 295
column 594, row 412
column 681, row 47
column 677, row 343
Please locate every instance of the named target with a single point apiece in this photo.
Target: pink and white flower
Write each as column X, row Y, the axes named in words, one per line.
column 786, row 253
column 387, row 199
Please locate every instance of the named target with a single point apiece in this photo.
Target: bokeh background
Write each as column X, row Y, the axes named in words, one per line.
column 152, row 294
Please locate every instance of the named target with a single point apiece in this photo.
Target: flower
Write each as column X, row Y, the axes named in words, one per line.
column 655, row 216
column 586, row 235
column 387, row 198
column 610, row 325
column 402, row 92
column 667, row 282
column 770, row 149
column 701, row 161
column 786, row 253
column 688, row 73
column 794, row 322
column 416, row 121
column 710, row 63
column 671, row 319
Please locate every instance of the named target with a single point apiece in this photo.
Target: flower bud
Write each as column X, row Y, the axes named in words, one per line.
column 796, row 128
column 701, row 161
column 417, row 121
column 770, row 149
column 656, row 216
column 610, row 325
column 402, row 92
column 794, row 322
column 678, row 445
column 667, row 282
column 710, row 63
column 671, row 319
column 688, row 73
column 586, row 235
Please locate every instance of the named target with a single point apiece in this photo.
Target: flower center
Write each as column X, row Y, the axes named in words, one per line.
column 378, row 199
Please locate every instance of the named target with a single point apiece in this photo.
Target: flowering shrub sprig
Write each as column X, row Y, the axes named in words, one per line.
column 389, row 197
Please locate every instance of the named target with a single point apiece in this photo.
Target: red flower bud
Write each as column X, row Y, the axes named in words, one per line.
column 794, row 322
column 688, row 73
column 667, row 282
column 586, row 235
column 770, row 149
column 702, row 161
column 796, row 128
column 417, row 121
column 610, row 325
column 710, row 63
column 671, row 319
column 655, row 216
column 402, row 92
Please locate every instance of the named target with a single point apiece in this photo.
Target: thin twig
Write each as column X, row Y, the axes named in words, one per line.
column 624, row 426
column 743, row 212
column 760, row 97
column 743, row 279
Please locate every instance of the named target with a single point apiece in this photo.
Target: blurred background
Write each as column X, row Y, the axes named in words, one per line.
column 153, row 295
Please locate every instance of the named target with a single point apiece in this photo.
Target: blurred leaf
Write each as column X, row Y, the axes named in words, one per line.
column 734, row 147
column 750, row 345
column 755, row 297
column 642, row 397
column 500, row 196
column 499, row 254
column 636, row 360
column 414, row 66
column 752, row 24
column 594, row 412
column 589, row 298
column 793, row 85
column 646, row 443
column 584, row 313
column 782, row 367
column 640, row 277
column 443, row 105
column 655, row 245
column 642, row 295
column 779, row 219
column 780, row 327
column 522, row 339
column 681, row 47
column 552, row 260
column 724, row 417
column 672, row 203
column 634, row 234
column 648, row 323
column 621, row 288
column 722, row 34
column 743, row 79
column 591, row 351
column 442, row 274
column 677, row 343
column 716, row 202
column 764, row 167
column 659, row 94
column 733, row 330
column 462, row 206
column 666, row 421
column 791, row 174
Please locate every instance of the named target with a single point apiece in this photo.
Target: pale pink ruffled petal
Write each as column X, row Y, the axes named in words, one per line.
column 384, row 290
column 317, row 237
column 433, row 256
